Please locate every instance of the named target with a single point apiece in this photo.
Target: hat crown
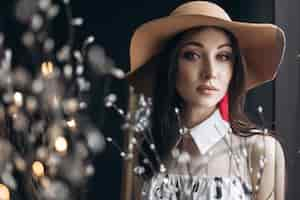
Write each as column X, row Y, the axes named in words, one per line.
column 201, row 8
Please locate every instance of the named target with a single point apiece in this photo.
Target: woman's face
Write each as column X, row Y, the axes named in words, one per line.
column 205, row 67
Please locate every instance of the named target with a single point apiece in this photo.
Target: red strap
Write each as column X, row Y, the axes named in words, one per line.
column 224, row 107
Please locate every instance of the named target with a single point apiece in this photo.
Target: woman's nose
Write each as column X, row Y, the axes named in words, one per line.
column 208, row 70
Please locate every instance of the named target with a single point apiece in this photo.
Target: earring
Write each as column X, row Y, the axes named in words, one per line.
column 224, row 107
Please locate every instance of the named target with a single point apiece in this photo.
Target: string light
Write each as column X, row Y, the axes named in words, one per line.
column 61, row 144
column 71, row 124
column 20, row 164
column 18, row 98
column 38, row 169
column 70, row 105
column 4, row 192
column 47, row 69
column 31, row 104
column 40, row 107
column 77, row 21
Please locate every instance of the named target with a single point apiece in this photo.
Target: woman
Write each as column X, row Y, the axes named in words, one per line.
column 197, row 65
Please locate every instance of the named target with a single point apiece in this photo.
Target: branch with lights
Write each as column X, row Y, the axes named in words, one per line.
column 47, row 141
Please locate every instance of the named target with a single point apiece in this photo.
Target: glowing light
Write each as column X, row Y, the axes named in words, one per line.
column 31, row 104
column 162, row 168
column 71, row 105
column 47, row 69
column 38, row 168
column 4, row 192
column 90, row 39
column 55, row 102
column 12, row 110
column 77, row 21
column 20, row 164
column 260, row 109
column 18, row 98
column 71, row 123
column 61, row 144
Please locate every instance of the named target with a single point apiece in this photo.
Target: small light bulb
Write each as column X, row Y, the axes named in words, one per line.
column 61, row 144
column 77, row 21
column 38, row 168
column 162, row 168
column 90, row 39
column 260, row 109
column 71, row 123
column 18, row 98
column 4, row 192
column 70, row 105
column 47, row 68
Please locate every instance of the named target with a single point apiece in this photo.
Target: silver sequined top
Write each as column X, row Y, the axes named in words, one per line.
column 178, row 187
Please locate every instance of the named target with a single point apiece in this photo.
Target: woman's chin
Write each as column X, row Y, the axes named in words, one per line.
column 207, row 103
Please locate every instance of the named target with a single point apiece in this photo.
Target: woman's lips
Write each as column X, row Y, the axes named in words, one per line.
column 205, row 89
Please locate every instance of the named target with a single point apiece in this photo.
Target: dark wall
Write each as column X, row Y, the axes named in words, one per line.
column 287, row 90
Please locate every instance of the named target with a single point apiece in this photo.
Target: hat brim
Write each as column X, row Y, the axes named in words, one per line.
column 262, row 46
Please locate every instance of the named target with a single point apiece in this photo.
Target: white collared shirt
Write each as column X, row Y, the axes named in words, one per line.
column 208, row 143
column 209, row 132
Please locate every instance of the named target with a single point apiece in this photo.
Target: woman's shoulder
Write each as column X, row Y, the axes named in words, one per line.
column 265, row 151
column 264, row 144
column 267, row 161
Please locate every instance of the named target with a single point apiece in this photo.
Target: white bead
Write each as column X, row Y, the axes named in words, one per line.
column 184, row 157
column 261, row 163
column 175, row 153
column 152, row 146
column 256, row 188
column 162, row 168
column 181, row 131
column 251, row 169
column 260, row 109
column 133, row 140
column 166, row 180
column 258, row 175
column 122, row 154
column 245, row 153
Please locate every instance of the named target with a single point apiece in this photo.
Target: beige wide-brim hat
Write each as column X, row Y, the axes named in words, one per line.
column 262, row 45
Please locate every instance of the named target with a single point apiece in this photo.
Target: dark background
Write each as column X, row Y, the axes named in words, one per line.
column 113, row 22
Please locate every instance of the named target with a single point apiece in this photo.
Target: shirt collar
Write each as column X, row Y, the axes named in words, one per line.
column 209, row 132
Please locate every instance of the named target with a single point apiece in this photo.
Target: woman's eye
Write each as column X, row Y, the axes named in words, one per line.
column 189, row 55
column 225, row 57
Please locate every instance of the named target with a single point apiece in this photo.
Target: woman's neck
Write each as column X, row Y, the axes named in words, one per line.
column 193, row 115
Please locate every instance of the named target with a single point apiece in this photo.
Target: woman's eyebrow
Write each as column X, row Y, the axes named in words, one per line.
column 225, row 45
column 192, row 43
column 200, row 45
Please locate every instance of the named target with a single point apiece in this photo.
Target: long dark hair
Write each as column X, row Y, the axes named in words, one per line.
column 165, row 123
